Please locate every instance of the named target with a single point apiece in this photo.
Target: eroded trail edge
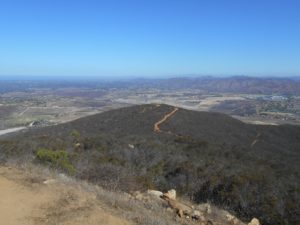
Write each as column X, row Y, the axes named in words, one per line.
column 30, row 198
column 167, row 116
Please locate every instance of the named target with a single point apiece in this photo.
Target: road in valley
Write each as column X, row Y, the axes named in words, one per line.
column 11, row 130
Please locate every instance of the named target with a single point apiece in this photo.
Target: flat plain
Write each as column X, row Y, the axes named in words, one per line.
column 34, row 103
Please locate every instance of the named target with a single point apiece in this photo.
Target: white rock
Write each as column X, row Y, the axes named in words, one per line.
column 229, row 217
column 131, row 146
column 232, row 219
column 155, row 193
column 77, row 145
column 208, row 209
column 254, row 221
column 50, row 181
column 171, row 194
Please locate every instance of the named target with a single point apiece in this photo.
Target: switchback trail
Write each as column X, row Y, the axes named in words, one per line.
column 167, row 116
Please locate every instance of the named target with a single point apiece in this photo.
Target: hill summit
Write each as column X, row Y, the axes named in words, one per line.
column 252, row 170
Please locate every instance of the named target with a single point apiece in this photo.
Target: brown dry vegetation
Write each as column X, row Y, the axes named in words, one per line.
column 33, row 195
column 209, row 159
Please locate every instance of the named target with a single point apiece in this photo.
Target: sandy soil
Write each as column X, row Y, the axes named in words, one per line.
column 27, row 200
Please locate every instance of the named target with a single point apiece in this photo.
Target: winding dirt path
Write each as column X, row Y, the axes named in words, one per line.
column 167, row 116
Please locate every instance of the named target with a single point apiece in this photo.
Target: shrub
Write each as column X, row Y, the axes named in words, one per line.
column 75, row 134
column 56, row 159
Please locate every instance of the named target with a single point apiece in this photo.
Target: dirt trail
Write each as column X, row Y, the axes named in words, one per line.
column 167, row 116
column 27, row 200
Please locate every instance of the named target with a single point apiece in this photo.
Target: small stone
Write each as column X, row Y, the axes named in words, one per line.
column 77, row 145
column 131, row 146
column 208, row 208
column 50, row 181
column 254, row 221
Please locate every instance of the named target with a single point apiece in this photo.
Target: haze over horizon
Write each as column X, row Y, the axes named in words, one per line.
column 154, row 39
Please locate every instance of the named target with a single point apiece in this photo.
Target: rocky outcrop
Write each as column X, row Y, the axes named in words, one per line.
column 202, row 213
column 180, row 209
column 171, row 194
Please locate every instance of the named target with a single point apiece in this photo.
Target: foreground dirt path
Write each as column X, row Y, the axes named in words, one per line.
column 26, row 200
column 167, row 116
column 17, row 202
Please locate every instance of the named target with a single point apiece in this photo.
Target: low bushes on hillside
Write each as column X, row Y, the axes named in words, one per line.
column 57, row 159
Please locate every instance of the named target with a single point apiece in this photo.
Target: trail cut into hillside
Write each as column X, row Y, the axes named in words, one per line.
column 165, row 118
column 28, row 200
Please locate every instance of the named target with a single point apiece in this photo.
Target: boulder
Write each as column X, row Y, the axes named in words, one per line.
column 171, row 194
column 229, row 217
column 254, row 221
column 155, row 193
column 206, row 208
column 197, row 215
column 232, row 219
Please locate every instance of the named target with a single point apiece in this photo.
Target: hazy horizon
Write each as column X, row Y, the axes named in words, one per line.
column 128, row 78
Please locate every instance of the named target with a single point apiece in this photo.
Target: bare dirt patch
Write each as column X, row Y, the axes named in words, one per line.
column 29, row 201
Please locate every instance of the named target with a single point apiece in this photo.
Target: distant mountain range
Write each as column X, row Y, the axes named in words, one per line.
column 237, row 84
column 252, row 170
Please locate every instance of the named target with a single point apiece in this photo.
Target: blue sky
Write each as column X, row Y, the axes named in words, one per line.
column 149, row 38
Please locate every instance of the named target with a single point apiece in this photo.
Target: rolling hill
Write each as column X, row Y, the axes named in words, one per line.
column 252, row 170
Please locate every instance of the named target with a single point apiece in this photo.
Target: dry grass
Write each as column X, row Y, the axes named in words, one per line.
column 146, row 211
column 73, row 198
